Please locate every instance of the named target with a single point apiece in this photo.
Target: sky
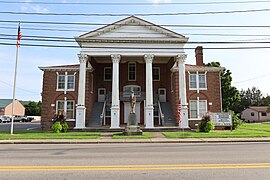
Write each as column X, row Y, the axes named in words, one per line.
column 249, row 67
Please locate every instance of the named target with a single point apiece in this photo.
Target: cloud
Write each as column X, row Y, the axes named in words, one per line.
column 159, row 1
column 34, row 8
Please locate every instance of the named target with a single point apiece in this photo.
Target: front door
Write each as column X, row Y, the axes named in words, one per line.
column 101, row 94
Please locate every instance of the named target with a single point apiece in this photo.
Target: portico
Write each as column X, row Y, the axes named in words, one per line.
column 138, row 46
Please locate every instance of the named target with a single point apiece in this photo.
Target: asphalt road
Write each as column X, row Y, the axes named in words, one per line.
column 20, row 126
column 136, row 161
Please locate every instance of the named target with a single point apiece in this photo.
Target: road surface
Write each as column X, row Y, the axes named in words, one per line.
column 136, row 161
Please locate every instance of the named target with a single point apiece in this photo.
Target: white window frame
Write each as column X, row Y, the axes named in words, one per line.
column 158, row 68
column 104, row 78
column 71, row 89
column 65, row 82
column 197, row 77
column 132, row 88
column 65, row 107
column 199, row 114
column 132, row 63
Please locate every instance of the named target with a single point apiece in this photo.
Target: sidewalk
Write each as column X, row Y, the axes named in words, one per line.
column 157, row 138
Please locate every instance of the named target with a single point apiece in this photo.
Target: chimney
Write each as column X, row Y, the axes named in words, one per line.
column 199, row 55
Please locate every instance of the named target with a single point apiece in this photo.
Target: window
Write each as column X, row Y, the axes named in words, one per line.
column 107, row 74
column 197, row 81
column 197, row 108
column 61, row 82
column 70, row 82
column 65, row 82
column 202, row 82
column 252, row 114
column 156, row 73
column 60, row 106
column 192, row 81
column 132, row 71
column 127, row 90
column 264, row 114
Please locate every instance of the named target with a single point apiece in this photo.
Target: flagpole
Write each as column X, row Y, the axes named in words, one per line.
column 14, row 90
column 14, row 83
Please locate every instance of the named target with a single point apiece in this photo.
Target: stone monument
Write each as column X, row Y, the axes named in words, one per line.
column 132, row 127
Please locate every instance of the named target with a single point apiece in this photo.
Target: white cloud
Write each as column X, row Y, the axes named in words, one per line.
column 159, row 1
column 34, row 8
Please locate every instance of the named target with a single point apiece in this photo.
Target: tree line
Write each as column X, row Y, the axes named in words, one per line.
column 235, row 100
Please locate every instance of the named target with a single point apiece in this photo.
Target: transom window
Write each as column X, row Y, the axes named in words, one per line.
column 197, row 108
column 107, row 74
column 197, row 81
column 127, row 90
column 156, row 73
column 65, row 82
column 132, row 71
column 60, row 106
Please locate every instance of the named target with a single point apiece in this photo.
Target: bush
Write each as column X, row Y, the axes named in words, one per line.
column 57, row 127
column 235, row 120
column 206, row 125
column 64, row 127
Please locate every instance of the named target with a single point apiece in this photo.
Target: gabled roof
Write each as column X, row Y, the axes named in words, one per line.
column 130, row 21
column 259, row 108
column 5, row 102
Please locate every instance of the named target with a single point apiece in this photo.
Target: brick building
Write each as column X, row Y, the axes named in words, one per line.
column 131, row 55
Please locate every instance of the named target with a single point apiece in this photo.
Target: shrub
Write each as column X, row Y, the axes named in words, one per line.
column 235, row 120
column 206, row 125
column 57, row 127
column 64, row 127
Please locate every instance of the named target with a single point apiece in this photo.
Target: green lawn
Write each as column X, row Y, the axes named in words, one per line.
column 48, row 135
column 245, row 130
column 121, row 136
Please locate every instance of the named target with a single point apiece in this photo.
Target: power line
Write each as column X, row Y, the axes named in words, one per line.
column 136, row 14
column 113, row 47
column 131, row 4
column 63, row 40
column 106, row 24
column 26, row 90
column 258, row 77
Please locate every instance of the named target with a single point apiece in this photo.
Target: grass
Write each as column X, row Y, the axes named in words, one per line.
column 145, row 135
column 244, row 131
column 5, row 135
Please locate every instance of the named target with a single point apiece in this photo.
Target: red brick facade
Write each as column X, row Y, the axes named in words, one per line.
column 168, row 79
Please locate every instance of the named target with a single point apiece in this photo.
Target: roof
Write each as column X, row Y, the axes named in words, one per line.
column 259, row 108
column 5, row 102
column 131, row 20
column 61, row 67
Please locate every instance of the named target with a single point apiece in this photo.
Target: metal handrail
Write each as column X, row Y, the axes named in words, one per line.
column 102, row 115
column 161, row 115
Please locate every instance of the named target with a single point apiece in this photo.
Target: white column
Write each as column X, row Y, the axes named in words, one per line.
column 80, row 110
column 115, row 109
column 181, row 58
column 149, row 108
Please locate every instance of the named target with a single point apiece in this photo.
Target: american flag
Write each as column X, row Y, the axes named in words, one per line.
column 179, row 109
column 19, row 35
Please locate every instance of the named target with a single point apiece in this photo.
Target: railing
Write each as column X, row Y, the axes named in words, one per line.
column 103, row 114
column 161, row 115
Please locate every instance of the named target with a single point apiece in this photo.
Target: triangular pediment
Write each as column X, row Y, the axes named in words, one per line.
column 132, row 28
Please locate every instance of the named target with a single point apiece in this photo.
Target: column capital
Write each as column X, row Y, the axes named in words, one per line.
column 148, row 58
column 181, row 58
column 116, row 58
column 83, row 58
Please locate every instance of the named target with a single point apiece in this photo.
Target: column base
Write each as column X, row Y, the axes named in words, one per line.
column 149, row 117
column 184, row 118
column 115, row 117
column 80, row 117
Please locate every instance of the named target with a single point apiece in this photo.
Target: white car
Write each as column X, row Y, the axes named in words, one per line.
column 5, row 119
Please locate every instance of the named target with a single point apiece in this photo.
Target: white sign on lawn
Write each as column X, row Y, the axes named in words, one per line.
column 221, row 119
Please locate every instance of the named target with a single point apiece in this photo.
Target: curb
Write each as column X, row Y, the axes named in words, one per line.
column 152, row 140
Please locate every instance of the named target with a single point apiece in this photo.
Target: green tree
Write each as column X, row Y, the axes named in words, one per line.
column 230, row 94
column 33, row 108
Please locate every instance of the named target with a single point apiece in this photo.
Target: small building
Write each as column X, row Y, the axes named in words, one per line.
column 131, row 55
column 6, row 107
column 255, row 114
